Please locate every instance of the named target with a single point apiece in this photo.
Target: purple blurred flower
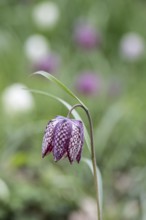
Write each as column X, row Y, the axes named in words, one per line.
column 88, row 83
column 86, row 36
column 49, row 63
column 63, row 137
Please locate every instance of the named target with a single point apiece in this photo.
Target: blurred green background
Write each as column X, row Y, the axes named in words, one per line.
column 97, row 49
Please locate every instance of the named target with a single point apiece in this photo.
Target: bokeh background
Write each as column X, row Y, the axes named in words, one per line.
column 98, row 49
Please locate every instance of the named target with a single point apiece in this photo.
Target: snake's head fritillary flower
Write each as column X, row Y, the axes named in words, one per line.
column 63, row 137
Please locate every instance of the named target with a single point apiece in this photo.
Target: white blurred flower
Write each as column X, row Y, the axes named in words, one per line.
column 46, row 15
column 132, row 46
column 4, row 191
column 16, row 99
column 36, row 47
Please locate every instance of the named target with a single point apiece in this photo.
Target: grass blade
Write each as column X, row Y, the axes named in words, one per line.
column 60, row 84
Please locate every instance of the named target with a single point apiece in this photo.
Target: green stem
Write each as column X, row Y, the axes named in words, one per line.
column 93, row 155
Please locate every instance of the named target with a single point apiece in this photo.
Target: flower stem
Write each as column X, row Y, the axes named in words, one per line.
column 93, row 155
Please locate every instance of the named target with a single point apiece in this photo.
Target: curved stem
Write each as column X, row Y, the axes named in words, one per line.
column 93, row 155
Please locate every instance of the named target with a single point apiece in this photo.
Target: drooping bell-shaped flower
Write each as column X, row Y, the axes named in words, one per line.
column 64, row 137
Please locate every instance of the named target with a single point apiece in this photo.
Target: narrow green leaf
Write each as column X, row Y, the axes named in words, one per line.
column 68, row 106
column 106, row 126
column 60, row 84
column 99, row 179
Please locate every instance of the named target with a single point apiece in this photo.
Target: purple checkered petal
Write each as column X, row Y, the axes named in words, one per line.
column 76, row 141
column 61, row 138
column 64, row 137
column 81, row 142
column 48, row 137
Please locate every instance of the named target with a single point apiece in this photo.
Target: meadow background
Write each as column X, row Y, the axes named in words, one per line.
column 98, row 49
